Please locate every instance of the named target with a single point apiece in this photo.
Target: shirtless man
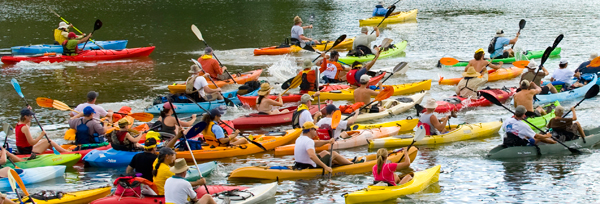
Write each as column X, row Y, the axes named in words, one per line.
column 364, row 94
column 525, row 98
column 480, row 64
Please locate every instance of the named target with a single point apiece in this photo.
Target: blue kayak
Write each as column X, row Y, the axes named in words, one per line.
column 193, row 108
column 110, row 158
column 46, row 48
column 36, row 175
column 566, row 95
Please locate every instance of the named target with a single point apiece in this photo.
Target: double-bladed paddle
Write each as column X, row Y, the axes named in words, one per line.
column 199, row 36
column 67, row 22
column 397, row 68
column 589, row 94
column 50, row 103
column 384, row 94
column 521, row 26
column 389, row 12
column 97, row 25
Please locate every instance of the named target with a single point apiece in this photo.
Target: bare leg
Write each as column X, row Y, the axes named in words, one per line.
column 206, row 199
column 580, row 129
column 545, row 140
column 541, row 110
column 14, row 158
column 338, row 159
column 239, row 141
column 284, row 111
column 405, row 179
column 4, row 172
column 43, row 145
column 396, row 178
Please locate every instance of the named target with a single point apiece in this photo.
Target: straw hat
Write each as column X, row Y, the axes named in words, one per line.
column 499, row 33
column 431, row 103
column 180, row 166
column 471, row 72
column 194, row 69
column 264, row 89
column 297, row 20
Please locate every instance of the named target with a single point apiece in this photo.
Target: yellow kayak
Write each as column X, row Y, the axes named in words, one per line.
column 374, row 194
column 401, row 17
column 405, row 125
column 464, row 132
column 287, row 173
column 399, row 89
column 78, row 197
column 344, row 45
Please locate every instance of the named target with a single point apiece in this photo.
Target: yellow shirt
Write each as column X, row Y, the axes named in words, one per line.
column 164, row 172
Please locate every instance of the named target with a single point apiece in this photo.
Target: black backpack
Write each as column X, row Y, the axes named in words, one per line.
column 296, row 119
column 492, row 45
column 305, row 85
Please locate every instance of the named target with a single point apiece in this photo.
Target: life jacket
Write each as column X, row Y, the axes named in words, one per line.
column 128, row 186
column 58, row 37
column 492, row 46
column 350, row 77
column 296, row 115
column 120, row 142
column 306, row 84
column 347, row 109
column 70, row 47
column 379, row 11
column 82, row 134
column 209, row 136
column 325, row 132
column 426, row 127
column 467, row 87
column 189, row 84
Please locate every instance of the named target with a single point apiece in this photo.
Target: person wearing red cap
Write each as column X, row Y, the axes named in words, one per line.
column 169, row 123
column 70, row 45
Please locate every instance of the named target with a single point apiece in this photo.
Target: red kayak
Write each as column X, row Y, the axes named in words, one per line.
column 255, row 120
column 200, row 191
column 456, row 103
column 87, row 55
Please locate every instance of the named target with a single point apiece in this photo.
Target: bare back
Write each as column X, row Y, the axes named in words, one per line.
column 478, row 64
column 362, row 94
column 265, row 105
column 525, row 98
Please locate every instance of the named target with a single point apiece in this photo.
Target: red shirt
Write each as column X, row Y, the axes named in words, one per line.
column 210, row 65
column 325, row 64
column 20, row 137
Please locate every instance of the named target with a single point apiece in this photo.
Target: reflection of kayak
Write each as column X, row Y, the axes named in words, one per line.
column 456, row 103
column 193, row 108
column 372, row 194
column 41, row 49
column 402, row 16
column 344, row 45
column 398, row 48
column 493, row 75
column 243, row 78
column 399, row 89
column 274, row 50
column 287, row 173
column 78, row 197
column 528, row 56
column 36, row 175
column 500, row 152
column 201, row 191
column 87, row 55
column 566, row 95
column 256, row 120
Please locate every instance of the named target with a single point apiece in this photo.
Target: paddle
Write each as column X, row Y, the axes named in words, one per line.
column 389, row 12
column 337, row 42
column 521, row 64
column 295, row 82
column 199, row 36
column 16, row 178
column 589, row 94
column 547, row 53
column 494, row 100
column 335, row 121
column 17, row 88
column 67, row 22
column 227, row 100
column 384, row 94
column 50, row 103
column 521, row 26
column 13, row 186
column 97, row 25
column 311, row 19
column 419, row 135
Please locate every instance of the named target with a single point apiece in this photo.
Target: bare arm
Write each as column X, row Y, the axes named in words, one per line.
column 172, row 142
column 439, row 126
column 188, row 123
column 353, row 118
column 319, row 143
column 406, row 163
column 279, row 102
column 198, row 182
column 84, row 39
column 30, row 140
column 229, row 137
column 494, row 66
column 129, row 170
column 132, row 139
column 376, row 31
column 514, row 40
column 371, row 63
column 574, row 116
column 546, row 73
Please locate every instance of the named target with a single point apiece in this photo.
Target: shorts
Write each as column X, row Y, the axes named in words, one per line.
column 301, row 166
column 210, row 97
column 223, row 76
column 545, row 90
column 374, row 109
column 25, row 150
column 503, row 55
column 533, row 114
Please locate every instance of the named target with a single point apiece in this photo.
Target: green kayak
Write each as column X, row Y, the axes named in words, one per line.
column 529, row 55
column 541, row 121
column 501, row 152
column 205, row 168
column 399, row 48
column 47, row 160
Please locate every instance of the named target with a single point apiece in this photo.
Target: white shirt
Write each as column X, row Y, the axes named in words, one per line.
column 297, row 31
column 303, row 143
column 100, row 112
column 199, row 85
column 564, row 75
column 178, row 190
column 518, row 128
column 341, row 126
column 364, row 39
column 305, row 117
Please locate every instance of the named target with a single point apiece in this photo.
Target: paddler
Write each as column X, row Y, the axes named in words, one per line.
column 61, row 34
column 332, row 71
column 524, row 97
column 585, row 68
column 25, row 142
column 480, row 64
column 428, row 119
column 88, row 130
column 362, row 42
column 197, row 87
column 305, row 155
column 379, row 9
column 142, row 162
column 309, row 77
column 122, row 138
column 562, row 75
column 161, row 170
column 211, row 66
column 565, row 129
column 363, row 94
column 531, row 73
column 325, row 123
column 518, row 133
column 70, row 46
column 178, row 190
column 91, row 101
column 302, row 113
column 496, row 47
column 470, row 83
column 384, row 170
column 358, row 70
column 264, row 104
column 215, row 135
column 297, row 33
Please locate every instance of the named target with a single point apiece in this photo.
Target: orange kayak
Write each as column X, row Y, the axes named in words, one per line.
column 274, row 50
column 493, row 75
column 243, row 78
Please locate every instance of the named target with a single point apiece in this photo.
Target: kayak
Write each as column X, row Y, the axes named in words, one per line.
column 501, row 152
column 275, row 50
column 405, row 125
column 36, row 175
column 344, row 45
column 530, row 55
column 456, row 103
column 392, row 107
column 241, row 79
column 398, row 48
column 542, row 121
column 566, row 95
column 256, row 194
column 71, row 147
column 401, row 17
column 87, row 55
column 493, row 75
column 256, row 120
column 77, row 197
column 268, row 141
column 280, row 173
column 201, row 191
column 355, row 141
column 399, row 89
column 193, row 107
column 110, row 158
column 47, row 160
column 47, row 48
column 462, row 132
column 372, row 194
column 206, row 169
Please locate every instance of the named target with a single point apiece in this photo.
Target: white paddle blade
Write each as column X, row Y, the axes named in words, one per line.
column 386, row 42
column 420, row 133
column 5, row 128
column 197, row 32
column 196, row 62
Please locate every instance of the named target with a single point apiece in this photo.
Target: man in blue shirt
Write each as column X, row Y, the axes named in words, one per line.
column 379, row 9
column 499, row 42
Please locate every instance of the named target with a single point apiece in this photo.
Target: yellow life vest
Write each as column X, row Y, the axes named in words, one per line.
column 206, row 56
column 209, row 136
column 58, row 37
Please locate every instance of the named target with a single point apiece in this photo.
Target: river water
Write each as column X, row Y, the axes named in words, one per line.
column 234, row 28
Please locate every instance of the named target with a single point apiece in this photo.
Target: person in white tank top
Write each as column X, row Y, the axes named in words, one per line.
column 436, row 126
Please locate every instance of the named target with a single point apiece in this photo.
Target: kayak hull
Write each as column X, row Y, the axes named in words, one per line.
column 78, row 197
column 392, row 107
column 110, row 158
column 243, row 78
column 36, row 175
column 48, row 48
column 258, row 194
column 274, row 50
column 398, row 18
column 47, row 160
column 500, row 152
column 530, row 55
column 451, row 104
column 88, row 55
column 343, row 46
column 399, row 89
column 399, row 48
column 206, row 169
column 493, row 75
column 405, row 125
column 566, row 95
column 193, row 108
column 255, row 120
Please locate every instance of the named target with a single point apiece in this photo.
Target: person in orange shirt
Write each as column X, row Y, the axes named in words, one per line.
column 211, row 66
column 331, row 69
column 309, row 78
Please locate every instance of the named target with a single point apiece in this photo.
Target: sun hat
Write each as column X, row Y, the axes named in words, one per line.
column 168, row 106
column 593, row 56
column 180, row 166
column 63, row 25
column 364, row 30
column 380, row 2
column 532, row 64
column 297, row 20
column 479, row 50
column 305, row 98
column 431, row 103
column 72, row 35
column 264, row 89
column 499, row 33
column 88, row 110
column 471, row 72
column 364, row 79
column 194, row 69
column 307, row 64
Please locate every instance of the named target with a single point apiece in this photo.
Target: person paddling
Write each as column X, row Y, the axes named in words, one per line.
column 211, row 66
column 531, row 73
column 384, row 170
column 264, row 105
column 122, row 138
column 496, row 47
column 524, row 96
column 358, row 70
column 362, row 42
column 169, row 123
column 88, row 130
column 302, row 113
column 325, row 123
column 25, row 142
column 585, row 68
column 429, row 120
column 215, row 135
column 565, row 129
column 142, row 162
column 309, row 77
column 332, row 71
column 61, row 33
column 380, row 10
column 562, row 75
column 305, row 155
column 197, row 87
column 480, row 64
column 91, row 101
column 518, row 133
column 70, row 46
column 363, row 94
column 297, row 33
column 468, row 86
column 178, row 190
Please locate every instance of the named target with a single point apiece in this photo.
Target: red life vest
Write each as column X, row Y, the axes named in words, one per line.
column 351, row 108
column 350, row 77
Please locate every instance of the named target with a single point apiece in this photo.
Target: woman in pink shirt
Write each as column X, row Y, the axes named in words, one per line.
column 384, row 171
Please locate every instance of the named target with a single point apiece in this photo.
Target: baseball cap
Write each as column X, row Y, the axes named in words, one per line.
column 88, row 110
column 308, row 125
column 72, row 35
column 305, row 98
column 563, row 61
column 216, row 112
column 364, row 79
column 27, row 112
column 331, row 108
column 364, row 30
column 168, row 106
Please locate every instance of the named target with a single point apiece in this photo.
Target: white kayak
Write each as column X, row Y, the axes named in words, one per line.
column 36, row 175
column 256, row 194
column 393, row 107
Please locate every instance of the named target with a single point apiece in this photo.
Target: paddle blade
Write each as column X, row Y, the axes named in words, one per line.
column 386, row 93
column 491, row 98
column 8, row 130
column 336, row 118
column 144, row 117
column 522, row 24
column 419, row 108
column 595, row 62
column 338, row 41
column 448, row 61
column 557, row 40
column 44, row 102
column 17, row 179
column 309, row 48
column 521, row 64
column 17, row 87
column 390, row 11
column 12, row 182
column 545, row 56
column 386, row 43
column 420, row 133
column 97, row 24
column 197, row 32
column 592, row 92
column 196, row 129
column 60, row 105
column 399, row 67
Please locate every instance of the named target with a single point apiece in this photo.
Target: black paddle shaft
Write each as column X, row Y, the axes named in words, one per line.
column 521, row 26
column 389, row 12
column 97, row 26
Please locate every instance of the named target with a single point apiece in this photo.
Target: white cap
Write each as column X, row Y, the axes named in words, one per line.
column 380, row 2
column 593, row 56
column 563, row 61
column 364, row 79
column 532, row 64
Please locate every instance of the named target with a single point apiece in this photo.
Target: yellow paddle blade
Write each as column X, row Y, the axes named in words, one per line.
column 595, row 62
column 335, row 118
column 448, row 61
column 296, row 81
column 70, row 134
column 17, row 178
column 386, row 93
column 60, row 105
column 44, row 102
column 521, row 64
column 144, row 117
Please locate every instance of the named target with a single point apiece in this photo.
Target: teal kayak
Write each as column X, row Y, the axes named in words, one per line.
column 398, row 48
column 566, row 95
column 47, row 160
column 45, row 48
column 193, row 108
column 36, row 175
column 528, row 56
column 500, row 152
column 205, row 168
